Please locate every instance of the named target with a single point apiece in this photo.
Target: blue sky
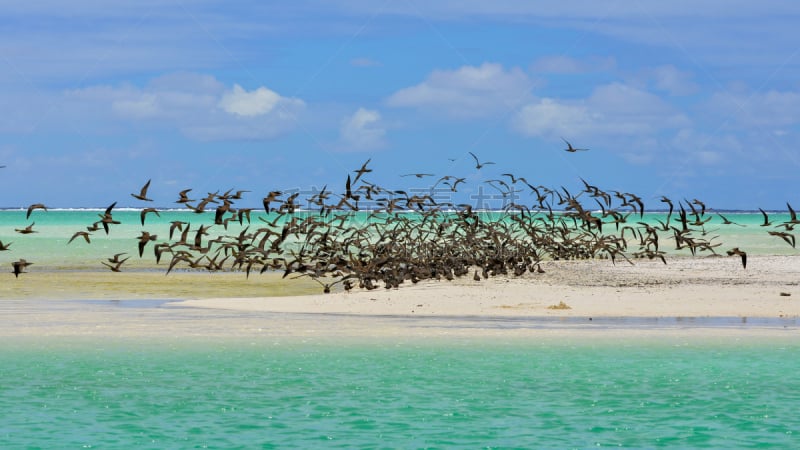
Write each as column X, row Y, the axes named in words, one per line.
column 695, row 99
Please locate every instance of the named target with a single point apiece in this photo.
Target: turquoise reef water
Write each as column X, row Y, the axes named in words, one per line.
column 410, row 394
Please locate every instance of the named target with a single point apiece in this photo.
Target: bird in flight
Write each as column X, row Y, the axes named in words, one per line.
column 742, row 254
column 143, row 193
column 572, row 149
column 479, row 164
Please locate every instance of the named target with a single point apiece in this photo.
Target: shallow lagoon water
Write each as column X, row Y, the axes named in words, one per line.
column 400, row 393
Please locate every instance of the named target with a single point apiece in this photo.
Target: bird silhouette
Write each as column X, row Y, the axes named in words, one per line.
column 478, row 164
column 142, row 195
column 572, row 149
column 19, row 267
column 34, row 206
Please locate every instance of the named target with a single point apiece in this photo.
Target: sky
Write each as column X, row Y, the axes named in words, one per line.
column 688, row 99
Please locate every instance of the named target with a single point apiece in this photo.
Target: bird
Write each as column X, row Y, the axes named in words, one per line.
column 788, row 237
column 144, row 238
column 362, row 171
column 478, row 164
column 19, row 267
column 418, row 175
column 792, row 215
column 115, row 259
column 742, row 254
column 142, row 195
column 727, row 221
column 83, row 234
column 766, row 218
column 184, row 198
column 34, row 206
column 176, row 224
column 115, row 265
column 145, row 211
column 572, row 149
column 4, row 247
column 269, row 199
column 26, row 230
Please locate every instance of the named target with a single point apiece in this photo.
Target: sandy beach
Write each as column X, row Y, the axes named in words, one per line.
column 689, row 294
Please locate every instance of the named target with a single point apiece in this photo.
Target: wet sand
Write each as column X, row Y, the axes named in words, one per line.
column 688, row 296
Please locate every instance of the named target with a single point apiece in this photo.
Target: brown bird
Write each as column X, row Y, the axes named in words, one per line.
column 479, row 164
column 792, row 215
column 143, row 193
column 269, row 199
column 115, row 259
column 572, row 149
column 145, row 211
column 144, row 239
column 34, row 206
column 83, row 234
column 743, row 255
column 727, row 221
column 176, row 224
column 114, row 267
column 4, row 247
column 184, row 197
column 19, row 267
column 26, row 230
column 788, row 237
column 766, row 218
column 362, row 170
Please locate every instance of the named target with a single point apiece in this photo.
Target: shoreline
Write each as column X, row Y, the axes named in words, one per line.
column 687, row 297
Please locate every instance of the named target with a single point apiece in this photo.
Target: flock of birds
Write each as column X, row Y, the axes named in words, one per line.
column 339, row 242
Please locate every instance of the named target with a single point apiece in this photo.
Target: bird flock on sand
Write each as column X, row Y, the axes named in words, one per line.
column 334, row 239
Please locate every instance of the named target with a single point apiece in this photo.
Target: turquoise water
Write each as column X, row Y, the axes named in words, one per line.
column 410, row 394
column 48, row 246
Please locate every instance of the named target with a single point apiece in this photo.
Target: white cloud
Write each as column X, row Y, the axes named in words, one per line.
column 669, row 78
column 611, row 110
column 363, row 131
column 467, row 92
column 771, row 109
column 255, row 103
column 198, row 105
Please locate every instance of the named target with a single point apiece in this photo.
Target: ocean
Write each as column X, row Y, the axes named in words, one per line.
column 384, row 392
column 400, row 393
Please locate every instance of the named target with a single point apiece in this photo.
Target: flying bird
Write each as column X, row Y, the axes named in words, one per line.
column 19, row 267
column 26, row 230
column 143, row 193
column 479, row 164
column 34, row 206
column 83, row 234
column 742, row 254
column 572, row 149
